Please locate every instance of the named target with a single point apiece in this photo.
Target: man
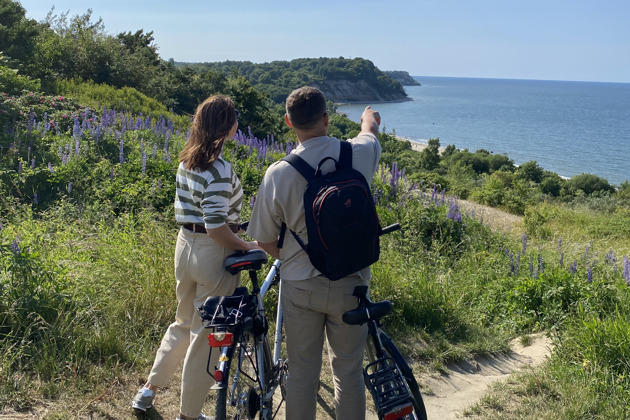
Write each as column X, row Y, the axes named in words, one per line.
column 312, row 304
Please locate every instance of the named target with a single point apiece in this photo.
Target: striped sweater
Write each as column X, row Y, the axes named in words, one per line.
column 213, row 197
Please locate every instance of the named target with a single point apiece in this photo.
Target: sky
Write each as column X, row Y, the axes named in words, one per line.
column 581, row 40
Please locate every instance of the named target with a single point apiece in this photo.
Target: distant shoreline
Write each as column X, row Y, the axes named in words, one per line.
column 395, row 101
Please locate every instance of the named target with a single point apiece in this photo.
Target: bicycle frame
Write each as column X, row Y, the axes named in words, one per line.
column 269, row 281
column 231, row 333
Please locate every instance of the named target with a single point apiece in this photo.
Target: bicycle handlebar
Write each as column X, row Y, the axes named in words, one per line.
column 390, row 229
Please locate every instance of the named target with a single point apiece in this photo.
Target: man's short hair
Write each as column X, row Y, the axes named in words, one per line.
column 306, row 107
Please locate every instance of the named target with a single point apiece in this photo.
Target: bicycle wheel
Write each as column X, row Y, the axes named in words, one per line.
column 390, row 348
column 241, row 398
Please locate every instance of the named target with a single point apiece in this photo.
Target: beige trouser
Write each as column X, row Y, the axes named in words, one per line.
column 313, row 308
column 199, row 273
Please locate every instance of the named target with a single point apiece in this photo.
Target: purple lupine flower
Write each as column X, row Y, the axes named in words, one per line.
column 69, row 187
column 31, row 121
column 167, row 136
column 20, row 167
column 561, row 258
column 121, row 153
column 531, row 264
column 524, row 239
column 15, row 247
column 252, row 200
column 626, row 269
column 589, row 275
column 540, row 263
column 559, row 244
column 159, row 184
column 453, row 211
column 35, row 198
column 144, row 164
column 573, row 268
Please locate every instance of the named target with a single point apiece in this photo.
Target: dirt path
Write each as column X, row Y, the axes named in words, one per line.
column 467, row 382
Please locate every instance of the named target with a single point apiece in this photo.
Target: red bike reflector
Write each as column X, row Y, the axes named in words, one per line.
column 220, row 339
column 398, row 412
column 218, row 375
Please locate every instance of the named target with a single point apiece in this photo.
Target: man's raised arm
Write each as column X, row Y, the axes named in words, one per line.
column 370, row 121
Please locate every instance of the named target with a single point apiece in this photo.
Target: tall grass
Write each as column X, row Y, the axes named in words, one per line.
column 86, row 286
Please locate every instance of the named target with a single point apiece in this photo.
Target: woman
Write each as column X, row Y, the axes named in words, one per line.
column 207, row 206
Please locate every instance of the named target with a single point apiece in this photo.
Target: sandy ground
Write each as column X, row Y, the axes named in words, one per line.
column 467, row 382
column 445, row 395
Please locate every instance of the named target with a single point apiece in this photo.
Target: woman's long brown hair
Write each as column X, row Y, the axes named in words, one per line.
column 212, row 123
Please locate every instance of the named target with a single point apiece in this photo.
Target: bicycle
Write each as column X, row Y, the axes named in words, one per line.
column 387, row 376
column 240, row 328
column 247, row 373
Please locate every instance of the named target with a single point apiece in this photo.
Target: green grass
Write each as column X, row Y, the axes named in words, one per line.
column 87, row 288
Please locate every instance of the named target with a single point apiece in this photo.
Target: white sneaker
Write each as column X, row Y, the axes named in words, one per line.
column 143, row 399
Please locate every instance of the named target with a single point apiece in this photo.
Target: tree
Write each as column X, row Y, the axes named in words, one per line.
column 18, row 34
column 589, row 184
column 430, row 156
column 530, row 171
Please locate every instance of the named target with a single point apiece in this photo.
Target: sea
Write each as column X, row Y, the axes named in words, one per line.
column 567, row 127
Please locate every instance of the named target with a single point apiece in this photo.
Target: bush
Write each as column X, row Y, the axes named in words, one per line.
column 588, row 184
column 12, row 83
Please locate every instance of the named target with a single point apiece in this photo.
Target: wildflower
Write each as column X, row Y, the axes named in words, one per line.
column 589, row 275
column 573, row 268
column 626, row 270
column 559, row 244
column 453, row 211
column 524, row 239
column 15, row 247
column 69, row 187
column 35, row 198
column 121, row 153
column 561, row 258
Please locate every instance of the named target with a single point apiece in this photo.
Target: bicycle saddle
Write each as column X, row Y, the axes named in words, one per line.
column 245, row 260
column 367, row 310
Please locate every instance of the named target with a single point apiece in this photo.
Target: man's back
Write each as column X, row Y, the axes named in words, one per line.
column 282, row 193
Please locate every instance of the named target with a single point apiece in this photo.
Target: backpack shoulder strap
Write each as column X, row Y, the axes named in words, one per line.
column 300, row 165
column 345, row 155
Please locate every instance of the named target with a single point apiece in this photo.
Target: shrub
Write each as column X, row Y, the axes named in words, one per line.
column 588, row 184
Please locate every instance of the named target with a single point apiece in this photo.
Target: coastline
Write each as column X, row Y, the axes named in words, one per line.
column 417, row 146
column 394, row 101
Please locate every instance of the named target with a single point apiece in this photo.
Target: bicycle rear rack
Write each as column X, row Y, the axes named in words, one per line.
column 388, row 388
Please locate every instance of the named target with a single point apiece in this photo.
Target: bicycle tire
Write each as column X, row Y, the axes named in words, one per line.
column 390, row 348
column 240, row 399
